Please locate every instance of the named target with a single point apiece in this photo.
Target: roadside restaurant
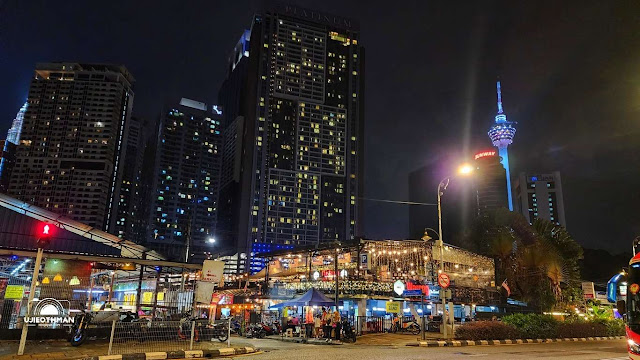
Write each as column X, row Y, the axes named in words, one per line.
column 371, row 274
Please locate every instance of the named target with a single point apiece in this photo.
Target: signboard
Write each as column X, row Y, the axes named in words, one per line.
column 412, row 293
column 203, row 292
column 14, row 292
column 423, row 288
column 393, row 307
column 398, row 287
column 444, row 280
column 212, row 271
column 147, row 297
column 588, row 290
column 484, row 154
column 364, row 261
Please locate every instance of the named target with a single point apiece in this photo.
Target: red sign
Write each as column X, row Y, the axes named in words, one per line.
column 423, row 288
column 444, row 280
column 482, row 154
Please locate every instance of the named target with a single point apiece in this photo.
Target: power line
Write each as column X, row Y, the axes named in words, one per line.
column 398, row 201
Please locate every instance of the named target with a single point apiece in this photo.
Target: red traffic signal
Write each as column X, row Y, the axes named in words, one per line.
column 44, row 233
column 45, row 230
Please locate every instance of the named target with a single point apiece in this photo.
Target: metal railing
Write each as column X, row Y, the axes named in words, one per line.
column 150, row 336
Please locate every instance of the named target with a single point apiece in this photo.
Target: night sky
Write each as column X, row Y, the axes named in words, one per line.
column 570, row 77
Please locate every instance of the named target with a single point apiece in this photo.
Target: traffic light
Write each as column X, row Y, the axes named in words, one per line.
column 45, row 231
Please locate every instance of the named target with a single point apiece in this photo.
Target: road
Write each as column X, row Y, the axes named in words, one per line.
column 276, row 350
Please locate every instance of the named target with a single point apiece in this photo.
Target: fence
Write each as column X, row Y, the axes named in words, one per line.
column 149, row 336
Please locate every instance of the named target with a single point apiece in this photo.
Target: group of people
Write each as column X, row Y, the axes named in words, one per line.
column 324, row 324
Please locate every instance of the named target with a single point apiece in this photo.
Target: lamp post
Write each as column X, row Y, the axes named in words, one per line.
column 464, row 170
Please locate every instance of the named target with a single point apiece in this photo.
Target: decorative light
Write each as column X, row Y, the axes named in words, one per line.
column 58, row 277
column 74, row 281
column 46, row 280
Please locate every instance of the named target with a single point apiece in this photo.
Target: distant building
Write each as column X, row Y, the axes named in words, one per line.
column 7, row 162
column 70, row 157
column 13, row 135
column 540, row 196
column 294, row 99
column 129, row 223
column 187, row 180
column 489, row 182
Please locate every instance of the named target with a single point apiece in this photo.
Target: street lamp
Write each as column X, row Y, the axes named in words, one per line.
column 211, row 240
column 463, row 170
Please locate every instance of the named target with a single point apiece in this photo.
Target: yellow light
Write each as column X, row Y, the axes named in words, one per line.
column 58, row 277
column 45, row 280
column 465, row 169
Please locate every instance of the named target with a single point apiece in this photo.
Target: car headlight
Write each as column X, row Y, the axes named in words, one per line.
column 633, row 346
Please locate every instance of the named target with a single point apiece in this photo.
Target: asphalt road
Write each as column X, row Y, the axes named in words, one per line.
column 276, row 350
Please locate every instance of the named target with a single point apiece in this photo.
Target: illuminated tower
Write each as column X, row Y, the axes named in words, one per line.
column 501, row 135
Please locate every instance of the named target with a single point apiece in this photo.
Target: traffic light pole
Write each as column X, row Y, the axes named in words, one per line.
column 34, row 280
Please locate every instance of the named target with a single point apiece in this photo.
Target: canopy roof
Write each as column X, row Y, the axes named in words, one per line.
column 310, row 298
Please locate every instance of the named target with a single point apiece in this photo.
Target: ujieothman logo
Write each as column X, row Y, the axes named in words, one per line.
column 49, row 311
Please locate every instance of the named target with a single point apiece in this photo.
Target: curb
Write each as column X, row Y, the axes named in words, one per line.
column 179, row 354
column 456, row 343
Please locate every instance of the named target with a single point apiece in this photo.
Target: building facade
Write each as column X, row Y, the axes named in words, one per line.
column 489, row 182
column 7, row 162
column 13, row 135
column 71, row 147
column 298, row 164
column 128, row 222
column 540, row 196
column 187, row 180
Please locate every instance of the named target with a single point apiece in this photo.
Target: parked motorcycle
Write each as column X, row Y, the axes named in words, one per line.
column 348, row 332
column 255, row 331
column 202, row 329
column 78, row 333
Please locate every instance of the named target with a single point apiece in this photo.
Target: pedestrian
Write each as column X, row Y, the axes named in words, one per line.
column 318, row 325
column 337, row 324
column 326, row 317
column 308, row 322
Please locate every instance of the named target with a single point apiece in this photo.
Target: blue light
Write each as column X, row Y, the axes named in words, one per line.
column 534, row 178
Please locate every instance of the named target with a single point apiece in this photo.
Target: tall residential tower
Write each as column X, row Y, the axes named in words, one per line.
column 501, row 135
column 297, row 133
column 69, row 158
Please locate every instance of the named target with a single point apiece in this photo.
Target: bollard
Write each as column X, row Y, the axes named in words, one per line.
column 193, row 331
column 229, row 333
column 113, row 331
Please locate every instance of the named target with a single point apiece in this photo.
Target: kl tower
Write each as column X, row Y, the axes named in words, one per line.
column 501, row 135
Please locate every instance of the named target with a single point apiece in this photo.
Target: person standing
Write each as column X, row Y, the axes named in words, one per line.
column 318, row 325
column 308, row 322
column 337, row 324
column 326, row 319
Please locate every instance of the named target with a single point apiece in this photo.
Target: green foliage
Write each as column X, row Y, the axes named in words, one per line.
column 533, row 326
column 582, row 329
column 615, row 327
column 486, row 330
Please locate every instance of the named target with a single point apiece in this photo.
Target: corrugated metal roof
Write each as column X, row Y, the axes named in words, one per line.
column 18, row 231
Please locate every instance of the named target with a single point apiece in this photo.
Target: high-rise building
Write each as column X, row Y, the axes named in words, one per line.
column 489, row 181
column 13, row 135
column 540, row 196
column 299, row 180
column 501, row 135
column 128, row 223
column 187, row 180
column 7, row 162
column 69, row 158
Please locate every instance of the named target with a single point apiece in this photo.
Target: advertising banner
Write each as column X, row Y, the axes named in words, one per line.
column 212, row 271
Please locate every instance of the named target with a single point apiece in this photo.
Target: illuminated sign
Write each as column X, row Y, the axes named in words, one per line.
column 484, row 154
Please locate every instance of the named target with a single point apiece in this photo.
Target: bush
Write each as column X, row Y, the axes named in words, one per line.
column 582, row 329
column 486, row 330
column 533, row 326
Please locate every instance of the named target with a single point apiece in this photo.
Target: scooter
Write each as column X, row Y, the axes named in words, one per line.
column 348, row 333
column 256, row 331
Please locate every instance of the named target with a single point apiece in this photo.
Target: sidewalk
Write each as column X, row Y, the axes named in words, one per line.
column 52, row 349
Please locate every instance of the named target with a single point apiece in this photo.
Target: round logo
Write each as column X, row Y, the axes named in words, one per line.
column 634, row 288
column 444, row 280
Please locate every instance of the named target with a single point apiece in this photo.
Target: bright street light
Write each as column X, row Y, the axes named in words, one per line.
column 211, row 240
column 465, row 169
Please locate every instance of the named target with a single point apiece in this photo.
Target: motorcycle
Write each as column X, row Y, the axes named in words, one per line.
column 271, row 330
column 202, row 330
column 78, row 333
column 410, row 326
column 255, row 331
column 348, row 333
